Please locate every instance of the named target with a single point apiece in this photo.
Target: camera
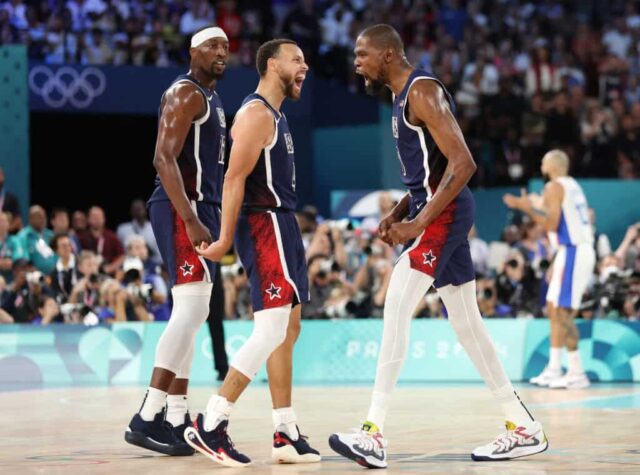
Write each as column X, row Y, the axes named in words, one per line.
column 142, row 291
column 35, row 277
column 513, row 263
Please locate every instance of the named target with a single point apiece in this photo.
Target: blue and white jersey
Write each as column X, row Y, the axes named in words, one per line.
column 272, row 182
column 422, row 163
column 201, row 160
column 574, row 227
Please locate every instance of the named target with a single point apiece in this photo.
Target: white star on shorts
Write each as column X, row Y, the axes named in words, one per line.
column 273, row 291
column 429, row 258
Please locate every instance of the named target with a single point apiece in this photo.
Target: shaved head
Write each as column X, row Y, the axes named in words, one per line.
column 558, row 160
column 384, row 36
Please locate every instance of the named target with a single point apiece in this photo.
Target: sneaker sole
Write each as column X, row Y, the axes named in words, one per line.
column 288, row 454
column 487, row 458
column 142, row 440
column 342, row 449
column 195, row 441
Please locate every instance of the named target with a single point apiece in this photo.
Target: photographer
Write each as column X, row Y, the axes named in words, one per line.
column 28, row 299
column 629, row 250
column 608, row 296
column 141, row 295
column 86, row 292
column 327, row 289
column 372, row 280
column 159, row 306
column 237, row 297
column 517, row 288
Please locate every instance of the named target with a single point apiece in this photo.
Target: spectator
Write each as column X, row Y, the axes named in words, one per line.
column 9, row 204
column 35, row 239
column 140, row 225
column 479, row 253
column 65, row 275
column 302, row 26
column 10, row 249
column 60, row 225
column 102, row 241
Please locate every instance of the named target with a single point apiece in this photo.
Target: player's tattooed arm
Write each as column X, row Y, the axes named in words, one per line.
column 429, row 106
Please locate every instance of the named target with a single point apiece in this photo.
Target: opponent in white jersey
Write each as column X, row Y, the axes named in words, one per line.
column 564, row 212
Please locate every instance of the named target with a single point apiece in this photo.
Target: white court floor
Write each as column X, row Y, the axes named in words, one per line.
column 431, row 429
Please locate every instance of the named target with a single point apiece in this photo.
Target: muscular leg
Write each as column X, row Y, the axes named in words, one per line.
column 570, row 334
column 557, row 337
column 279, row 370
column 571, row 337
column 269, row 332
column 280, row 363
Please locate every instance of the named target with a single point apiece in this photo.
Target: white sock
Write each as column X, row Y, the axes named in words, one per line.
column 575, row 363
column 153, row 403
column 218, row 410
column 406, row 288
column 555, row 359
column 177, row 408
column 514, row 410
column 284, row 420
column 378, row 409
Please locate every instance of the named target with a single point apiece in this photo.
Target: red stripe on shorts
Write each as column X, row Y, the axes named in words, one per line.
column 274, row 288
column 189, row 267
column 426, row 255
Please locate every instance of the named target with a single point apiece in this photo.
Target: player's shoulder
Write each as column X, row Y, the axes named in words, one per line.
column 553, row 188
column 426, row 92
column 256, row 112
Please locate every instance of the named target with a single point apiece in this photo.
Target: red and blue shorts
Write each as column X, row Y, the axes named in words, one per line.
column 180, row 258
column 270, row 248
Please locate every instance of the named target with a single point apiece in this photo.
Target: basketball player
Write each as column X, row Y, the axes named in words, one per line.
column 184, row 212
column 433, row 221
column 564, row 211
column 259, row 195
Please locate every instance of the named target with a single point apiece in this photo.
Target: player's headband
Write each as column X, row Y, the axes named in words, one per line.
column 206, row 34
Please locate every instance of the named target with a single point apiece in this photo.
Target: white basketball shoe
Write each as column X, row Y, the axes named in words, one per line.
column 365, row 446
column 547, row 375
column 571, row 381
column 517, row 441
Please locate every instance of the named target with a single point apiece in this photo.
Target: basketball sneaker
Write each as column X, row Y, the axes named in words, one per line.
column 215, row 444
column 286, row 450
column 571, row 381
column 365, row 446
column 517, row 441
column 547, row 375
column 156, row 435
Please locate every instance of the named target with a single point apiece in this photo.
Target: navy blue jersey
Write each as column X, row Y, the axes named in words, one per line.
column 421, row 161
column 201, row 160
column 272, row 183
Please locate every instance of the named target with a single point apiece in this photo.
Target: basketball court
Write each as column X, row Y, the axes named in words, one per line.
column 431, row 428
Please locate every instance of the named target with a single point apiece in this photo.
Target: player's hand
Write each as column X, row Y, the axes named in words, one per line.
column 214, row 251
column 403, row 232
column 385, row 226
column 517, row 202
column 198, row 233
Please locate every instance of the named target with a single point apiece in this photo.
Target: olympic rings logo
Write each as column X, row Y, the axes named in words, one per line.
column 67, row 85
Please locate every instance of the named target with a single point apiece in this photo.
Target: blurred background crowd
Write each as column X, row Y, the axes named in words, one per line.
column 71, row 268
column 526, row 76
